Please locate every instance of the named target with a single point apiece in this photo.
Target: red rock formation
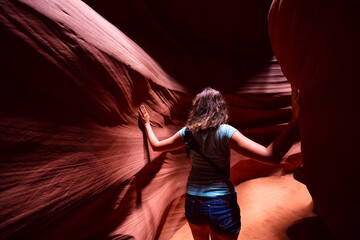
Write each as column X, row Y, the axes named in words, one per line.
column 74, row 163
column 317, row 45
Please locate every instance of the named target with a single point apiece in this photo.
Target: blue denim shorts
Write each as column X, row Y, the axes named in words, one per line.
column 221, row 213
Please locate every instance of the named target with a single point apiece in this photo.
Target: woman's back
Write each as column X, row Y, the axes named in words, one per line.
column 205, row 179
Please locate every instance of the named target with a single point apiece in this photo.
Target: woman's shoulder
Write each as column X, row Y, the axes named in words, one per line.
column 226, row 130
column 225, row 126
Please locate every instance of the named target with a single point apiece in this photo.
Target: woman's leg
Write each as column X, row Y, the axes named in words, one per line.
column 220, row 236
column 199, row 232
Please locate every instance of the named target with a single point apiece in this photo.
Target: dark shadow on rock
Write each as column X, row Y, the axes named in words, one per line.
column 91, row 218
column 145, row 141
column 311, row 228
column 299, row 175
column 147, row 174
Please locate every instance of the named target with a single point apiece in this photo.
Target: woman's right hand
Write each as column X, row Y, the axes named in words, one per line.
column 145, row 117
column 295, row 101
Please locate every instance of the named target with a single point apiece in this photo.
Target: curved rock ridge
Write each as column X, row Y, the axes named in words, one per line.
column 317, row 45
column 74, row 160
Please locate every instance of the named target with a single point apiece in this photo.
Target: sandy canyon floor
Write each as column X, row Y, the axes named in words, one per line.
column 269, row 205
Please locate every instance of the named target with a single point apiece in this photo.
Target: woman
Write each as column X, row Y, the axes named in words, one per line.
column 211, row 205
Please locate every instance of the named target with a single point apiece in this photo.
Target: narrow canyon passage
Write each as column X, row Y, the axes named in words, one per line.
column 74, row 160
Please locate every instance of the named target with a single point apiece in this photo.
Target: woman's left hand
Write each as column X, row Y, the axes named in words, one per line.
column 295, row 97
column 145, row 117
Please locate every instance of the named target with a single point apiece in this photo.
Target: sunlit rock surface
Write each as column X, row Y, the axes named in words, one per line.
column 74, row 163
column 317, row 46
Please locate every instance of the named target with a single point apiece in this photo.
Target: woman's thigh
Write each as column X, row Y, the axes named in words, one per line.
column 199, row 232
column 221, row 236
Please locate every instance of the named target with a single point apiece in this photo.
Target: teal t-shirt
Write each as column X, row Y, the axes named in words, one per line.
column 203, row 179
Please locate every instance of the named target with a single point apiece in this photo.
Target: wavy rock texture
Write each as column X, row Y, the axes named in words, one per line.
column 317, row 45
column 74, row 161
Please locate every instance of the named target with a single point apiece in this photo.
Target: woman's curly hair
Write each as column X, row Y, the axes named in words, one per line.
column 209, row 111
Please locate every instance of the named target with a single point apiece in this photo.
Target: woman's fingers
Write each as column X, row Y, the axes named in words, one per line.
column 295, row 94
column 144, row 114
column 141, row 110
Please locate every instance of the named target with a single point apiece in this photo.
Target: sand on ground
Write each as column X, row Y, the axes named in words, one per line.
column 269, row 205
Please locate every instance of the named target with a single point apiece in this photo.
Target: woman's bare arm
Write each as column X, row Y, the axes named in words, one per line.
column 172, row 143
column 277, row 149
column 271, row 154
